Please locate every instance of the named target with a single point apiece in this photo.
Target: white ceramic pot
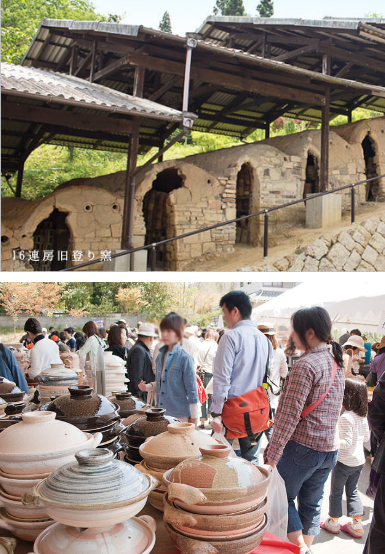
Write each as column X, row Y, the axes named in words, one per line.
column 136, row 536
column 96, row 491
column 22, row 528
column 15, row 508
column 17, row 487
column 40, row 444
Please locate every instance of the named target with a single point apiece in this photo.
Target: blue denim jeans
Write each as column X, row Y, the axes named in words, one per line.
column 249, row 449
column 344, row 476
column 305, row 472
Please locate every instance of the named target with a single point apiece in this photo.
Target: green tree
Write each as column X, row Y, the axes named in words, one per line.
column 165, row 24
column 20, row 20
column 265, row 8
column 229, row 7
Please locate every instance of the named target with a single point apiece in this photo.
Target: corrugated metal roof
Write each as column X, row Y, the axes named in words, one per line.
column 49, row 85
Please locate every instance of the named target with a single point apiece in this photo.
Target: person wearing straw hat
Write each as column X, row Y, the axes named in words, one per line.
column 278, row 370
column 139, row 361
column 354, row 347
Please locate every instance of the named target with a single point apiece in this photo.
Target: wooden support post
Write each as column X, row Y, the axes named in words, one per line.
column 191, row 43
column 19, row 184
column 129, row 195
column 92, row 68
column 350, row 116
column 324, row 170
column 138, row 81
column 74, row 59
column 267, row 130
column 161, row 146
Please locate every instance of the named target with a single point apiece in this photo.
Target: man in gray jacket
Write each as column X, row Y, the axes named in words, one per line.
column 139, row 362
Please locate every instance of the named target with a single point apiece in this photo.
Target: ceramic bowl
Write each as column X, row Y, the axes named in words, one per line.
column 96, row 490
column 40, row 444
column 134, row 536
column 17, row 487
column 215, row 483
column 179, row 442
column 234, row 523
column 187, row 544
column 26, row 530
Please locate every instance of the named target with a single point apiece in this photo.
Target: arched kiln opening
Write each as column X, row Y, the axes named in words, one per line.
column 243, row 202
column 157, row 211
column 369, row 150
column 312, row 176
column 51, row 240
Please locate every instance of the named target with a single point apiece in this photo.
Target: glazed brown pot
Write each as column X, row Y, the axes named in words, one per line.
column 153, row 423
column 187, row 544
column 9, row 391
column 217, row 524
column 215, row 483
column 127, row 403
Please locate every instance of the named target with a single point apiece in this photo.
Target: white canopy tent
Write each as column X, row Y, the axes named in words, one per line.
column 350, row 303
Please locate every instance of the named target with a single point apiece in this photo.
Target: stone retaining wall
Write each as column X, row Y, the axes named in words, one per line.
column 360, row 247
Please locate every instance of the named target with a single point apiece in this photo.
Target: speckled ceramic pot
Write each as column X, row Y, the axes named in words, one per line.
column 179, row 442
column 153, row 423
column 85, row 410
column 187, row 544
column 95, row 491
column 22, row 528
column 215, row 483
column 235, row 523
column 134, row 536
column 127, row 403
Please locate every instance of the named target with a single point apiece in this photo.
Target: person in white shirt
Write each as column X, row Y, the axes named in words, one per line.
column 191, row 333
column 353, row 432
column 278, row 370
column 205, row 366
column 44, row 353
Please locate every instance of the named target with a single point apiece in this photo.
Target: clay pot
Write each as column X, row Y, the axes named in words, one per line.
column 24, row 529
column 187, row 544
column 70, row 360
column 115, row 373
column 127, row 403
column 14, row 409
column 95, row 491
column 216, row 525
column 85, row 410
column 3, row 405
column 215, row 483
column 15, row 508
column 155, row 497
column 58, row 374
column 136, row 536
column 7, row 545
column 9, row 391
column 153, row 423
column 40, row 444
column 17, row 487
column 179, row 442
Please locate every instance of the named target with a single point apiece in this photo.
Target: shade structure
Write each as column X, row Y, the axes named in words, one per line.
column 351, row 303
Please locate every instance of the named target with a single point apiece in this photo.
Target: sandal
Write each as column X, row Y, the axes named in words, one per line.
column 328, row 525
column 348, row 528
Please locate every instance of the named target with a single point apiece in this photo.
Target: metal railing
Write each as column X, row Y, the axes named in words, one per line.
column 151, row 248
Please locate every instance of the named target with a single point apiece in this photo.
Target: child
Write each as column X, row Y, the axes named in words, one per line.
column 353, row 431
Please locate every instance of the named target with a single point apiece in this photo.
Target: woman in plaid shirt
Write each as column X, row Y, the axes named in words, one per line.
column 305, row 450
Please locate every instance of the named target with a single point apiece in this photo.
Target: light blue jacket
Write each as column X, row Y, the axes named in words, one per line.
column 178, row 387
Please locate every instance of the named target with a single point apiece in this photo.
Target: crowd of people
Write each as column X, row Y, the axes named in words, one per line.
column 315, row 412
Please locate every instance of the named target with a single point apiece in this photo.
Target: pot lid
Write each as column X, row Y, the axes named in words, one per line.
column 134, row 535
column 216, row 469
column 180, row 439
column 57, row 374
column 95, row 479
column 39, row 432
column 8, row 387
column 82, row 403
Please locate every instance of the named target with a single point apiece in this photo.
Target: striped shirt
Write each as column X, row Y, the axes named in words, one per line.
column 354, row 431
column 308, row 380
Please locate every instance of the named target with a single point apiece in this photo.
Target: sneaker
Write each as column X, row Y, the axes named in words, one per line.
column 357, row 533
column 330, row 525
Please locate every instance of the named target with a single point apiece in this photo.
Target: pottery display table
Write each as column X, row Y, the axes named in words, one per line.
column 163, row 544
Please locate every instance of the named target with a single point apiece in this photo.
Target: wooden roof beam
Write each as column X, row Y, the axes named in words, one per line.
column 349, row 56
column 296, row 53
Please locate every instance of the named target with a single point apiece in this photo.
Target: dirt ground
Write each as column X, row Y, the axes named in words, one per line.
column 246, row 256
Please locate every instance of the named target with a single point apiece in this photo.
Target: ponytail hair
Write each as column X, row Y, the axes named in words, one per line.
column 337, row 353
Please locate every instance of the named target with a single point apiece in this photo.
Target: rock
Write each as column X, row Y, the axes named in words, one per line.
column 298, row 262
column 362, row 236
column 353, row 261
column 371, row 224
column 338, row 256
column 377, row 242
column 282, row 265
column 364, row 266
column 325, row 265
column 380, row 263
column 317, row 249
column 311, row 264
column 346, row 240
column 370, row 255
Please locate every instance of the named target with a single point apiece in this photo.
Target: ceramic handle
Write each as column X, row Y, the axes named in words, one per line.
column 185, row 493
column 177, row 517
column 5, row 525
column 97, row 439
column 2, row 505
column 31, row 497
column 193, row 546
column 153, row 481
column 150, row 522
